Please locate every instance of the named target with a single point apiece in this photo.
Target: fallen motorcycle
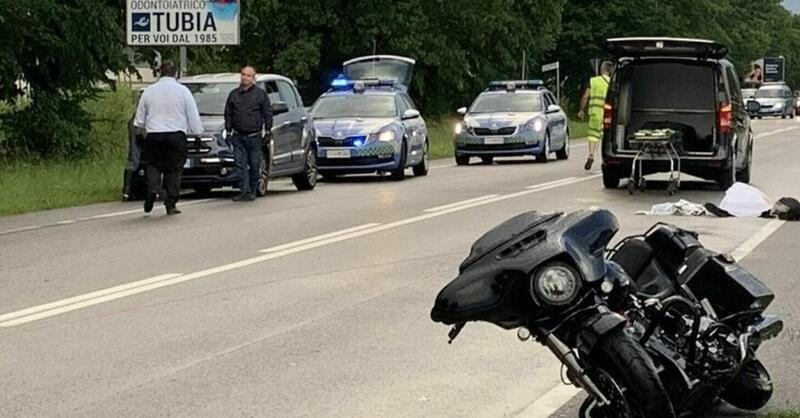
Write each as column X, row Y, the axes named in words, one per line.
column 658, row 326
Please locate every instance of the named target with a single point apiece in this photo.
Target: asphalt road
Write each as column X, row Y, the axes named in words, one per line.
column 317, row 303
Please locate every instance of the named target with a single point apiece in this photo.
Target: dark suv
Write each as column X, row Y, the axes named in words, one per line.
column 289, row 152
column 680, row 84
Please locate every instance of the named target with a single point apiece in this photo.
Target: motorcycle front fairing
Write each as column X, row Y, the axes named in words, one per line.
column 493, row 284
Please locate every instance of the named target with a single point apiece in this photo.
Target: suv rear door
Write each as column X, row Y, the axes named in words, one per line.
column 665, row 47
column 295, row 119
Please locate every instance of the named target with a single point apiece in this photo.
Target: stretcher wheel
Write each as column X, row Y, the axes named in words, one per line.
column 631, row 186
column 642, row 184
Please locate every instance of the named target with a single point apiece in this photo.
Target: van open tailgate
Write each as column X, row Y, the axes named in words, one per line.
column 665, row 47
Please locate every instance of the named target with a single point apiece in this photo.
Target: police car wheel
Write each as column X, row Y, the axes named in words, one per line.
column 563, row 153
column 399, row 173
column 545, row 156
column 462, row 160
column 421, row 169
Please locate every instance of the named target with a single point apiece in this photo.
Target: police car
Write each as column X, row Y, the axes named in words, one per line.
column 509, row 119
column 367, row 123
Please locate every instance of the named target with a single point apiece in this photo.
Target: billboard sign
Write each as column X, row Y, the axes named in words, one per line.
column 773, row 69
column 183, row 22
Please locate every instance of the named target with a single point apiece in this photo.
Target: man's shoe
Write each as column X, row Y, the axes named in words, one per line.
column 241, row 198
column 173, row 211
column 149, row 201
column 250, row 197
column 588, row 165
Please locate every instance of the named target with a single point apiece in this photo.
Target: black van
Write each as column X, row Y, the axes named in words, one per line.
column 681, row 84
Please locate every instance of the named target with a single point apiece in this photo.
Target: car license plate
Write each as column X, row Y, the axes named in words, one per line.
column 188, row 163
column 338, row 153
column 493, row 141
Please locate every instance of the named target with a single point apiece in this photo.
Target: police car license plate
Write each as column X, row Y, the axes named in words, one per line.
column 188, row 163
column 492, row 141
column 338, row 153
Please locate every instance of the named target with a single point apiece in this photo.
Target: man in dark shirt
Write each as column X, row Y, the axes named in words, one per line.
column 248, row 113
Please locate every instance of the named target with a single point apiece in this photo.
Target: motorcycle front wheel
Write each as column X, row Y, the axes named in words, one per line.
column 625, row 374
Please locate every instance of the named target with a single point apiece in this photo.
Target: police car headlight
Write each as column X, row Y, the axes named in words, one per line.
column 459, row 128
column 535, row 125
column 779, row 104
column 386, row 136
column 555, row 284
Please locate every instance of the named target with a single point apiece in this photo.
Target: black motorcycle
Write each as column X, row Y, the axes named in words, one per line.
column 659, row 327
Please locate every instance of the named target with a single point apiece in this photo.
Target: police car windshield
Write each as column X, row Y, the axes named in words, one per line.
column 769, row 93
column 506, row 102
column 211, row 97
column 356, row 105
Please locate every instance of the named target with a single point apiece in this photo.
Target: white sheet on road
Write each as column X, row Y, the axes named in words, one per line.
column 679, row 208
column 743, row 200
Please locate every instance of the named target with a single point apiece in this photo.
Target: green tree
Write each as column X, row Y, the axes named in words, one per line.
column 59, row 51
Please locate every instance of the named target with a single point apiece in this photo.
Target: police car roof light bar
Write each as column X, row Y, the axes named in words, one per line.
column 511, row 85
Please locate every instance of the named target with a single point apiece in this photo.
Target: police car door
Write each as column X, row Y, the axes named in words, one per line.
column 556, row 120
column 414, row 126
column 281, row 144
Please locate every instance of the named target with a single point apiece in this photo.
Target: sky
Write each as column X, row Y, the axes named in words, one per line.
column 793, row 5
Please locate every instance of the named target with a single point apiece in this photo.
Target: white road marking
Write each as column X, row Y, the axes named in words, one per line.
column 748, row 246
column 775, row 132
column 552, row 183
column 550, row 402
column 5, row 320
column 318, row 238
column 559, row 395
column 82, row 301
column 95, row 217
column 438, row 208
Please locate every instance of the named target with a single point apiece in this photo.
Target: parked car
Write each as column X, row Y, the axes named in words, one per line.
column 683, row 84
column 367, row 122
column 774, row 99
column 289, row 150
column 512, row 118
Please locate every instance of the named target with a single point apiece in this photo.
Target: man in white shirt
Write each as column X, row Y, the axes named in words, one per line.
column 167, row 111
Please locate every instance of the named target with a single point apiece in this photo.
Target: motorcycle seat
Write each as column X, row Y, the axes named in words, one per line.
column 639, row 260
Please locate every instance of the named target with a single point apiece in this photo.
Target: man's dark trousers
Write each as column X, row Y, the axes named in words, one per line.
column 248, row 155
column 166, row 153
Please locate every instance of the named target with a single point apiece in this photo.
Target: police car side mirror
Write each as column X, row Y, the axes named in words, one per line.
column 279, row 107
column 462, row 110
column 553, row 108
column 410, row 114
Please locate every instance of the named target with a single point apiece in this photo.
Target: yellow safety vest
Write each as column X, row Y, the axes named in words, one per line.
column 598, row 87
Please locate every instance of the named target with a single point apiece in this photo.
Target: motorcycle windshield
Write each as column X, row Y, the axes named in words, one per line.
column 493, row 284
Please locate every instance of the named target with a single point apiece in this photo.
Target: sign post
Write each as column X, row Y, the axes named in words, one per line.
column 551, row 67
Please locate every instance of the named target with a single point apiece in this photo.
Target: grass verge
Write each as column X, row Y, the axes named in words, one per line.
column 784, row 414
column 27, row 187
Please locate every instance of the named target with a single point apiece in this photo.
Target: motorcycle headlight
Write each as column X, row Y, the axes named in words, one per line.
column 555, row 284
column 386, row 136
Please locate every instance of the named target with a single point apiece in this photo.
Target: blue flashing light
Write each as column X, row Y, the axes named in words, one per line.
column 358, row 142
column 515, row 84
column 340, row 81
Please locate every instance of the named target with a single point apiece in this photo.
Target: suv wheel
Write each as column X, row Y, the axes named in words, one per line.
column 610, row 178
column 743, row 176
column 399, row 173
column 462, row 160
column 563, row 153
column 727, row 176
column 263, row 181
column 307, row 179
column 421, row 169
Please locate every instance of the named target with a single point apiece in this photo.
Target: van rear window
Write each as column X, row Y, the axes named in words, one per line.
column 673, row 86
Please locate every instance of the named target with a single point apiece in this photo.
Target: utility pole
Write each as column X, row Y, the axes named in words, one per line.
column 524, row 63
column 184, row 64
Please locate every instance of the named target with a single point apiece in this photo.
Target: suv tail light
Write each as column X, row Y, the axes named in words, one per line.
column 608, row 116
column 724, row 117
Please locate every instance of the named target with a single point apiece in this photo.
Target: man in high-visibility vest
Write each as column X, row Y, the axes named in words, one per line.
column 595, row 97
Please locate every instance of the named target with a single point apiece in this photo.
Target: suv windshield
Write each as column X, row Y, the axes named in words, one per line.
column 356, row 105
column 506, row 102
column 211, row 97
column 769, row 93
